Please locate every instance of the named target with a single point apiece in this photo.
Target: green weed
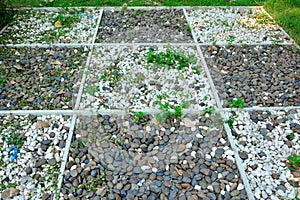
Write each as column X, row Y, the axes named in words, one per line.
column 66, row 21
column 91, row 90
column 231, row 120
column 209, row 110
column 294, row 161
column 236, row 103
column 230, row 39
column 170, row 59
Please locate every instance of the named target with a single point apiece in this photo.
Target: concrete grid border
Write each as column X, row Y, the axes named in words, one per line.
column 74, row 113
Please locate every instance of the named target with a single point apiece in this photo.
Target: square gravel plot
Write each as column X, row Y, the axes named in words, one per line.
column 138, row 26
column 130, row 77
column 39, row 142
column 42, row 26
column 39, row 78
column 129, row 157
column 235, row 25
column 261, row 75
column 265, row 139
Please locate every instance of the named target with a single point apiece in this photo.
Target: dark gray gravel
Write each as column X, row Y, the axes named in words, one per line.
column 37, row 78
column 115, row 158
column 261, row 75
column 166, row 25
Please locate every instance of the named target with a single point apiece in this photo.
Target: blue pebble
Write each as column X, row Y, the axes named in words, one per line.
column 123, row 194
column 86, row 161
column 158, row 183
column 159, row 173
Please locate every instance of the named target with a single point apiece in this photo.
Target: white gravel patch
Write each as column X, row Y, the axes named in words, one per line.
column 247, row 25
column 25, row 176
column 139, row 84
column 267, row 149
column 38, row 26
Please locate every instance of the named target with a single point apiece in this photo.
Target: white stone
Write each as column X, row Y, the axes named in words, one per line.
column 257, row 193
column 154, row 169
column 227, row 187
column 220, row 175
column 193, row 154
column 240, row 186
column 188, row 145
column 210, row 188
column 145, row 167
column 197, row 187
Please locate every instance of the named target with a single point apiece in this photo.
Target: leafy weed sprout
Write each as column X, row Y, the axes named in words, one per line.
column 235, row 103
column 230, row 39
column 170, row 59
column 209, row 110
column 167, row 109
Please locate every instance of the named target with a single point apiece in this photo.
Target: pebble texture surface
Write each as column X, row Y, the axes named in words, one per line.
column 262, row 75
column 246, row 25
column 41, row 144
column 119, row 158
column 160, row 26
column 38, row 26
column 40, row 78
column 159, row 152
column 265, row 139
column 120, row 77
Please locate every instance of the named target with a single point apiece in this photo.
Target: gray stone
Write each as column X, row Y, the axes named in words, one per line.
column 74, row 173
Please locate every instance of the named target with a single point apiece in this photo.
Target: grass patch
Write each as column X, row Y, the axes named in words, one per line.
column 287, row 15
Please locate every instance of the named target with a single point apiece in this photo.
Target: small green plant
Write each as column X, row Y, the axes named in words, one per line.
column 294, row 161
column 230, row 39
column 92, row 183
column 231, row 120
column 66, row 99
column 111, row 74
column 170, row 59
column 80, row 145
column 206, row 97
column 13, row 139
column 196, row 70
column 291, row 136
column 138, row 115
column 91, row 90
column 209, row 110
column 167, row 109
column 66, row 21
column 178, row 112
column 188, row 27
column 137, row 13
column 236, row 103
column 2, row 81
